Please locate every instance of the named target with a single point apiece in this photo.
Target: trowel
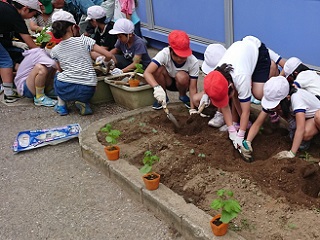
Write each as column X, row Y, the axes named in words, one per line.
column 171, row 117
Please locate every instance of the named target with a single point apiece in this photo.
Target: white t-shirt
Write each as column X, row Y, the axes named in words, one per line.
column 74, row 58
column 191, row 66
column 309, row 80
column 243, row 56
column 304, row 101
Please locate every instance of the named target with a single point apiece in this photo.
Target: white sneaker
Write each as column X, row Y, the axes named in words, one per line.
column 217, row 121
column 224, row 128
column 1, row 88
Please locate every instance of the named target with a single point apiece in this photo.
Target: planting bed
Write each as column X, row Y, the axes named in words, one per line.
column 197, row 160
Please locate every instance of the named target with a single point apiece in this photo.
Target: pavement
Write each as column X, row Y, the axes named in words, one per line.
column 53, row 193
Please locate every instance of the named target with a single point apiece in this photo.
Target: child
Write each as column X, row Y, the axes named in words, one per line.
column 302, row 76
column 96, row 15
column 34, row 74
column 130, row 49
column 288, row 102
column 12, row 20
column 174, row 68
column 248, row 63
column 77, row 79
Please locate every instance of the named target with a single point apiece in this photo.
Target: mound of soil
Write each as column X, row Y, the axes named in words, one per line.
column 279, row 198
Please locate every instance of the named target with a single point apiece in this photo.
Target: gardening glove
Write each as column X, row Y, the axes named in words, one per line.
column 246, row 150
column 232, row 133
column 116, row 71
column 192, row 111
column 238, row 140
column 205, row 100
column 285, row 154
column 20, row 45
column 110, row 63
column 160, row 95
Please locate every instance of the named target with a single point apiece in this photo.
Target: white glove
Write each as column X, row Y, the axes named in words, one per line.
column 246, row 150
column 160, row 95
column 285, row 154
column 232, row 133
column 20, row 45
column 237, row 143
column 205, row 100
column 116, row 71
column 192, row 111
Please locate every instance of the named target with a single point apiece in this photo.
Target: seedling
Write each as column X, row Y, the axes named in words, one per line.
column 44, row 37
column 139, row 68
column 192, row 151
column 230, row 208
column 112, row 134
column 201, row 155
column 148, row 160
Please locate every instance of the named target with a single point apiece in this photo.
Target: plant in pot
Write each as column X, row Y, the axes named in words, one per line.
column 150, row 179
column 230, row 208
column 112, row 151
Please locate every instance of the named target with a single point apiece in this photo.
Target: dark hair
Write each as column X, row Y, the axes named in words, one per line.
column 101, row 20
column 225, row 70
column 286, row 103
column 301, row 68
column 17, row 5
column 59, row 28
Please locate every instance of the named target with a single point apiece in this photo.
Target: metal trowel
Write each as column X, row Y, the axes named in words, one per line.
column 171, row 117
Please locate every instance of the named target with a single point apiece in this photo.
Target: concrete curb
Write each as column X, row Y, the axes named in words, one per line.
column 186, row 218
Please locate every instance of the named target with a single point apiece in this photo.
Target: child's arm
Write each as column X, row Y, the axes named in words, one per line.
column 103, row 52
column 132, row 66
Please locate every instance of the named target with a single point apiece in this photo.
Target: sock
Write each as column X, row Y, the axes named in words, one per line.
column 61, row 102
column 39, row 92
column 7, row 87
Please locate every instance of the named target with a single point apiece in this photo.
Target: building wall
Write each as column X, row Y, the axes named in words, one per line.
column 289, row 27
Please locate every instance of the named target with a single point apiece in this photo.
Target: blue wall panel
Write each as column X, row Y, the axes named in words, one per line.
column 290, row 27
column 201, row 18
column 141, row 11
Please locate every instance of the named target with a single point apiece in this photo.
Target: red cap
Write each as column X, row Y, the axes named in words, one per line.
column 53, row 39
column 180, row 43
column 216, row 87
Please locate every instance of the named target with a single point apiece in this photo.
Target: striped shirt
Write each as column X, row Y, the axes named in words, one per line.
column 75, row 61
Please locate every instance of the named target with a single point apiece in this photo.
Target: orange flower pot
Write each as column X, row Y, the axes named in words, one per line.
column 134, row 82
column 151, row 184
column 112, row 152
column 218, row 230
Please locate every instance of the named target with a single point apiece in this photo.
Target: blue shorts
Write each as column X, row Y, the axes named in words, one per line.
column 262, row 69
column 26, row 91
column 5, row 59
column 73, row 92
column 173, row 86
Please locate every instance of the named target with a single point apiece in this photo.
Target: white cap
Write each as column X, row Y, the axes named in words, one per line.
column 63, row 16
column 95, row 12
column 33, row 4
column 253, row 39
column 122, row 25
column 274, row 90
column 291, row 65
column 212, row 56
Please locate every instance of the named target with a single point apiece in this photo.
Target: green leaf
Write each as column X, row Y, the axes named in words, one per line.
column 145, row 169
column 192, row 151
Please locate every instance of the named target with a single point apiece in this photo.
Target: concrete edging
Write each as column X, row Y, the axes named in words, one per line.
column 190, row 221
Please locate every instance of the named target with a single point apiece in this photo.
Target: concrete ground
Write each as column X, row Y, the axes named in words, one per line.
column 52, row 193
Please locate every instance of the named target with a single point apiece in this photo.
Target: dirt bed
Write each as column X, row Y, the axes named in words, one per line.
column 278, row 201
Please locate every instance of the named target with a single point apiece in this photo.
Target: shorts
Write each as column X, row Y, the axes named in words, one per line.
column 73, row 92
column 5, row 59
column 262, row 69
column 26, row 92
column 173, row 86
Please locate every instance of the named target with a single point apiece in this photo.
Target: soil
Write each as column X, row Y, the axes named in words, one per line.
column 279, row 198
